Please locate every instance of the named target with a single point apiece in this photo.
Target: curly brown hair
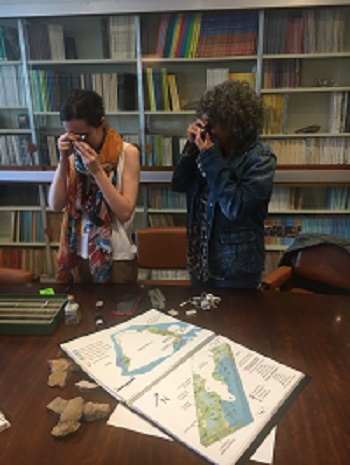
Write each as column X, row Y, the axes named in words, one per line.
column 237, row 105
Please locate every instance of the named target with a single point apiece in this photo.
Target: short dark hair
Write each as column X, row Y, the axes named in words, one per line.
column 237, row 105
column 83, row 104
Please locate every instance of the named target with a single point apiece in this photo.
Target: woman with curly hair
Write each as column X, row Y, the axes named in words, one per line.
column 227, row 174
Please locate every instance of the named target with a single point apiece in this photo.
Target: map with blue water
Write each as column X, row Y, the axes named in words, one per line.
column 151, row 345
column 224, row 410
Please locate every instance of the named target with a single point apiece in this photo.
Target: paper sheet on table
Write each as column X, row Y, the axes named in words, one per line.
column 122, row 417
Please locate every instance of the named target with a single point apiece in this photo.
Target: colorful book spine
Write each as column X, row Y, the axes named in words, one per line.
column 163, row 27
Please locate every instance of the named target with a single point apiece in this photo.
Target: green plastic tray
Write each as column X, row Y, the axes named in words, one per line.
column 30, row 314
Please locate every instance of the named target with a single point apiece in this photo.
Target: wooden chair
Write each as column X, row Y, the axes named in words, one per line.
column 15, row 276
column 162, row 248
column 323, row 269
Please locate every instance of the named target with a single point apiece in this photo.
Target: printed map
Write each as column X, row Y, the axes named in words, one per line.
column 221, row 403
column 153, row 345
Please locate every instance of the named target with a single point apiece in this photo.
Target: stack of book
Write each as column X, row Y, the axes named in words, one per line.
column 282, row 73
column 320, row 30
column 46, row 41
column 11, row 86
column 121, row 37
column 14, row 150
column 228, row 34
column 189, row 35
column 50, row 87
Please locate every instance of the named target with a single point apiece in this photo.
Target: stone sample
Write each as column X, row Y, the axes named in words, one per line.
column 63, row 428
column 93, row 411
column 57, row 405
column 86, row 386
column 58, row 378
column 73, row 411
column 61, row 364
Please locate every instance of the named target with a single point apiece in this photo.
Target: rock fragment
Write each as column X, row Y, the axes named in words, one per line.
column 93, row 411
column 63, row 428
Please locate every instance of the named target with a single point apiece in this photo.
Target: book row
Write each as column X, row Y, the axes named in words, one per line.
column 163, row 197
column 57, row 42
column 311, row 151
column 27, row 258
column 281, row 73
column 276, row 113
column 27, row 226
column 283, row 230
column 283, row 198
column 26, row 196
column 50, row 87
column 11, row 86
column 299, row 198
column 304, row 31
column 33, row 259
column 189, row 35
column 14, row 150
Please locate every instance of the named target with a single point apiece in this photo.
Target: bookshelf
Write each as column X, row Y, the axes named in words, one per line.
column 297, row 58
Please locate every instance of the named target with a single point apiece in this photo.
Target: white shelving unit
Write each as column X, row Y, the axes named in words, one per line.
column 307, row 104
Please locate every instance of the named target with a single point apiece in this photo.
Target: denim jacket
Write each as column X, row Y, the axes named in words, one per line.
column 239, row 192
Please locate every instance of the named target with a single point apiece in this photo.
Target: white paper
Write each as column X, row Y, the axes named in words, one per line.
column 122, row 417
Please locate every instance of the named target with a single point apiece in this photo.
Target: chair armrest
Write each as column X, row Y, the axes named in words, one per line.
column 275, row 279
column 15, row 275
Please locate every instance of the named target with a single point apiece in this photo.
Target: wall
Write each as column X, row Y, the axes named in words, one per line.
column 22, row 8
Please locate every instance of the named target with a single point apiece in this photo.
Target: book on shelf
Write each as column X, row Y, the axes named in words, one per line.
column 70, row 48
column 104, row 37
column 162, row 31
column 230, row 33
column 249, row 77
column 150, row 89
column 11, row 86
column 283, row 229
column 216, row 76
column 161, row 220
column 229, row 396
column 282, row 73
column 38, row 41
column 275, row 113
column 56, row 41
column 310, row 30
column 7, row 219
column 174, row 93
column 53, row 229
column 311, row 150
column 122, row 37
column 127, row 91
column 9, row 44
column 25, row 258
column 14, row 150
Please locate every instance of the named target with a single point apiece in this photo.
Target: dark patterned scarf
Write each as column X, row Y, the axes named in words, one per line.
column 84, row 195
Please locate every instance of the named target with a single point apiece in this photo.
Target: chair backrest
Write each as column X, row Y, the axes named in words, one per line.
column 162, row 248
column 324, row 263
column 15, row 276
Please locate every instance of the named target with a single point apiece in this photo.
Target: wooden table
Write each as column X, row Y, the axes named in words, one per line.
column 308, row 332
